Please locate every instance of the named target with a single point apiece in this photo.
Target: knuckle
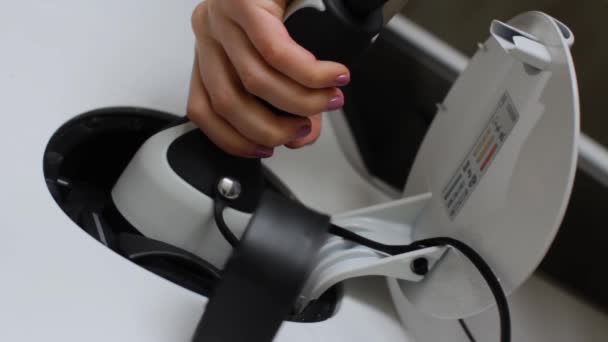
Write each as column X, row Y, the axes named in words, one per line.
column 253, row 81
column 197, row 115
column 222, row 103
column 195, row 110
column 198, row 16
column 275, row 54
column 192, row 116
column 191, row 110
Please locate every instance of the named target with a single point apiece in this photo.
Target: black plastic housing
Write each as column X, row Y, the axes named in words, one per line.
column 334, row 34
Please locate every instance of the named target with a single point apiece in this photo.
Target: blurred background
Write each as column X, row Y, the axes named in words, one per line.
column 465, row 22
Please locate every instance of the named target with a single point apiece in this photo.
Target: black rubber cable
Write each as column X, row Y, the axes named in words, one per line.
column 488, row 275
column 220, row 205
column 218, row 210
column 484, row 269
column 466, row 330
column 354, row 237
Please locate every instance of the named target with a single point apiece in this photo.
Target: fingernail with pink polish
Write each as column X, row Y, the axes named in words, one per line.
column 342, row 80
column 303, row 132
column 263, row 152
column 335, row 103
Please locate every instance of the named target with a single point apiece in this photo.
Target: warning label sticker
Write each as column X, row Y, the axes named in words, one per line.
column 480, row 157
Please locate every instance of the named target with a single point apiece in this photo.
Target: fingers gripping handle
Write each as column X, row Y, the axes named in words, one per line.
column 330, row 30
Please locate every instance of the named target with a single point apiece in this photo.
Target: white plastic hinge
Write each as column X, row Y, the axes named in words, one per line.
column 521, row 45
column 389, row 223
column 361, row 262
column 531, row 53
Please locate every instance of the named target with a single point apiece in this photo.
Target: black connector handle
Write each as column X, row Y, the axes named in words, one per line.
column 333, row 30
column 363, row 8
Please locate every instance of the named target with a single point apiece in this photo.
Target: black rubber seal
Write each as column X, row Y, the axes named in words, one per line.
column 199, row 162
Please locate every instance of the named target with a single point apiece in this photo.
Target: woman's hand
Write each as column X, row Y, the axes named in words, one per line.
column 244, row 51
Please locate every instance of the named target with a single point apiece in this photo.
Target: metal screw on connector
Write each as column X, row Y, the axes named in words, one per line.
column 420, row 266
column 229, row 188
